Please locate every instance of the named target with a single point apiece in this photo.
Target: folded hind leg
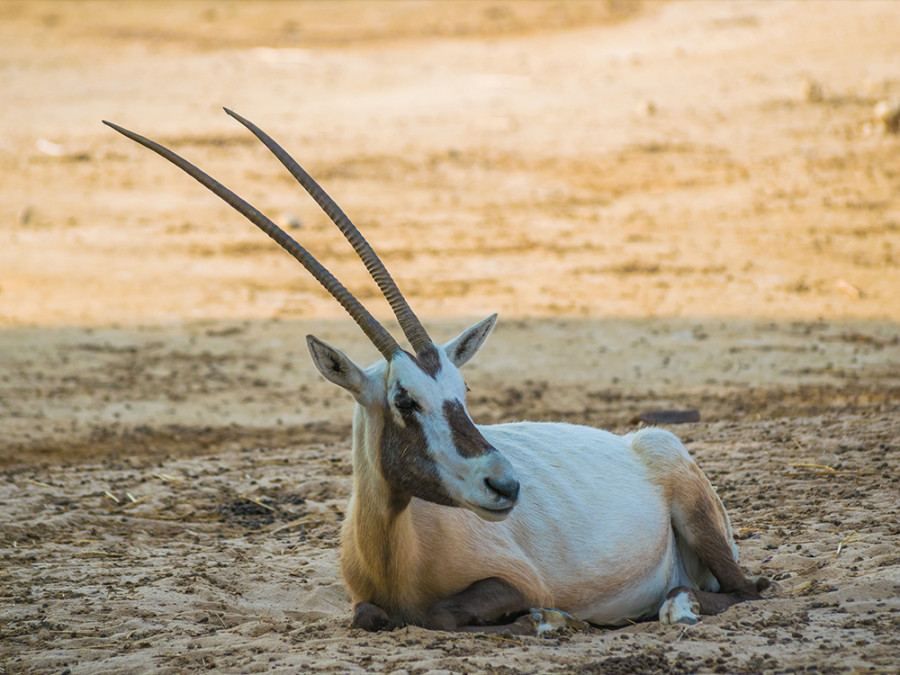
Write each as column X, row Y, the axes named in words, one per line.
column 700, row 522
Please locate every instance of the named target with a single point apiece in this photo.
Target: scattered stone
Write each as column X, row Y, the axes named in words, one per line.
column 50, row 148
column 848, row 289
column 814, row 92
column 668, row 417
column 887, row 113
column 648, row 108
column 26, row 215
column 289, row 221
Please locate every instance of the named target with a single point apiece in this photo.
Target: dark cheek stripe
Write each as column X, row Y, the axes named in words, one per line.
column 406, row 464
column 466, row 438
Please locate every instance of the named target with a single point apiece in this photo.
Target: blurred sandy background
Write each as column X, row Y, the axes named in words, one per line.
column 671, row 204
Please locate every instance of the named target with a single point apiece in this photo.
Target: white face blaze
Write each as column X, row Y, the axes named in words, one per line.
column 471, row 472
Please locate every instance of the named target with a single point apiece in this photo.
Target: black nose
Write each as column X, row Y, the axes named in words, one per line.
column 507, row 488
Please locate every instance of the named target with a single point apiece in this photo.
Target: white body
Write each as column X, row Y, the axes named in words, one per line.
column 589, row 510
column 592, row 533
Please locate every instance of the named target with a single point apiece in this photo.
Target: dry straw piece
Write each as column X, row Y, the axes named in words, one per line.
column 846, row 540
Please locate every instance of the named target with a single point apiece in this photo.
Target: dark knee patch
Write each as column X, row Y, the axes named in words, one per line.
column 370, row 617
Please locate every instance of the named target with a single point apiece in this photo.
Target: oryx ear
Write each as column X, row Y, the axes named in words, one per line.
column 463, row 347
column 338, row 368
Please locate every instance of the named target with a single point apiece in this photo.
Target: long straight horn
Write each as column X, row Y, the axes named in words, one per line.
column 409, row 323
column 379, row 336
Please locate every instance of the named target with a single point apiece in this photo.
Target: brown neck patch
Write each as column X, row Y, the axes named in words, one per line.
column 467, row 440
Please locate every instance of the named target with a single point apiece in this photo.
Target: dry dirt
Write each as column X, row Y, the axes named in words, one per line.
column 672, row 205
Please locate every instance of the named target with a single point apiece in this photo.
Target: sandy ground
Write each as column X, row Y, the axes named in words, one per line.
column 672, row 205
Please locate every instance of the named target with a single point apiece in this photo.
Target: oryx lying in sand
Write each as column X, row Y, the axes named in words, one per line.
column 457, row 526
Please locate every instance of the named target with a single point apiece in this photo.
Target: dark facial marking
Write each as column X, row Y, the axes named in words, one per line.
column 406, row 405
column 429, row 361
column 466, row 438
column 407, row 466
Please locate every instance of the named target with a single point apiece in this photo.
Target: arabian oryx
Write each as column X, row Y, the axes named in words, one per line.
column 457, row 526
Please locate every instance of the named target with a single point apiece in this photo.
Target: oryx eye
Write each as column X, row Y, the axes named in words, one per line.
column 405, row 403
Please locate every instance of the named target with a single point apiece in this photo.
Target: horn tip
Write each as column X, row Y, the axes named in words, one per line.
column 121, row 130
column 233, row 114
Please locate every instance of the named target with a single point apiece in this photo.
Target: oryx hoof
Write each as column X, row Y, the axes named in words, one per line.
column 544, row 621
column 761, row 582
column 681, row 606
